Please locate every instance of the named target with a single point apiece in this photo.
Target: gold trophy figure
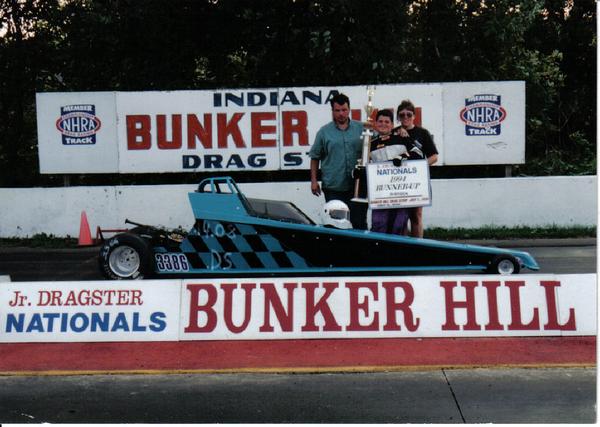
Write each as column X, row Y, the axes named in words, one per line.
column 360, row 171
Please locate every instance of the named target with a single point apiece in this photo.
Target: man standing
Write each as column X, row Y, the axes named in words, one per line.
column 337, row 147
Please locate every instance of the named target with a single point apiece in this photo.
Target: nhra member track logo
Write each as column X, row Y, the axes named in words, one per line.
column 483, row 115
column 78, row 124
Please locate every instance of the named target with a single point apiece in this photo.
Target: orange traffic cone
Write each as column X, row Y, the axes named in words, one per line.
column 85, row 236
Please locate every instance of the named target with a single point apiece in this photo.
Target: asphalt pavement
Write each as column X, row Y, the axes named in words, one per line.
column 555, row 256
column 565, row 395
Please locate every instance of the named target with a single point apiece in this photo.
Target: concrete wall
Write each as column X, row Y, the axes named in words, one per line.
column 468, row 203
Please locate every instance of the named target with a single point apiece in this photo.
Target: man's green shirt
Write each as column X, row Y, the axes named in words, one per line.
column 338, row 151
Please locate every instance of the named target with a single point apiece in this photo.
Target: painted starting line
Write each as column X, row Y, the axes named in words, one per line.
column 322, row 355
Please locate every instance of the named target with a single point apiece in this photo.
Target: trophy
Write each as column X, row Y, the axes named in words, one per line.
column 360, row 170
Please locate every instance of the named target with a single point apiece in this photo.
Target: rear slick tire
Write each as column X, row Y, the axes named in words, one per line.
column 126, row 256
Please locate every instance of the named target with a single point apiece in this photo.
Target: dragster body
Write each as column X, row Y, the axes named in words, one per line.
column 235, row 236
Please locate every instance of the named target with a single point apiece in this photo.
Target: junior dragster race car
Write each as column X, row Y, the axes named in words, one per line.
column 236, row 236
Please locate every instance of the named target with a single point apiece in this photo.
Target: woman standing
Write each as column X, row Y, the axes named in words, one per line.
column 422, row 139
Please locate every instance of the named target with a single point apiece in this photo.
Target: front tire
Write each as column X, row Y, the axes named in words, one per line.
column 126, row 256
column 504, row 265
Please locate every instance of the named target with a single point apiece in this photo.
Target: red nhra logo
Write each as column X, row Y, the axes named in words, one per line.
column 78, row 124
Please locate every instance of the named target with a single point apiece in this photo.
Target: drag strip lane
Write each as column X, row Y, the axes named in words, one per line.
column 35, row 264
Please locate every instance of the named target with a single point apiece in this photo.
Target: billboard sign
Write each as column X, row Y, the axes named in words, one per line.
column 262, row 129
column 276, row 308
column 77, row 132
column 485, row 122
column 89, row 311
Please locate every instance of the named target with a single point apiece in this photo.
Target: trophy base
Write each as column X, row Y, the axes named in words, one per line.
column 360, row 185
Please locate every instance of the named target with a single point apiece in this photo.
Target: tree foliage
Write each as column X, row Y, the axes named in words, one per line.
column 103, row 45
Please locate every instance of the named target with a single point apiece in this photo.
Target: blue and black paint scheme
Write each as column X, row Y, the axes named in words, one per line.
column 238, row 236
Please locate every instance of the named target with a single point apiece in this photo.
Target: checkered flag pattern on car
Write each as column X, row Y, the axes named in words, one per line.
column 215, row 245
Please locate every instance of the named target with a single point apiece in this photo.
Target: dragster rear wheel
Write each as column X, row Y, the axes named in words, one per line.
column 126, row 256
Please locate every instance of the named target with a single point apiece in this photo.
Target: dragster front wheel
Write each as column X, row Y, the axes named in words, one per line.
column 504, row 265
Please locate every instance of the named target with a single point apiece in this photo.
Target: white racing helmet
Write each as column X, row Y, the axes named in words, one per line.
column 336, row 214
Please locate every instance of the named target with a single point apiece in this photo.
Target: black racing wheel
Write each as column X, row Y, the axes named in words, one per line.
column 504, row 265
column 126, row 256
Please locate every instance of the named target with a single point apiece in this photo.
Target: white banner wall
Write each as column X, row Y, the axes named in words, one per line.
column 89, row 311
column 263, row 129
column 299, row 308
column 468, row 203
column 386, row 307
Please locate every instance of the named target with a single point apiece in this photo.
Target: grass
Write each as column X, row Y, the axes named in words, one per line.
column 50, row 241
column 502, row 233
column 42, row 240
